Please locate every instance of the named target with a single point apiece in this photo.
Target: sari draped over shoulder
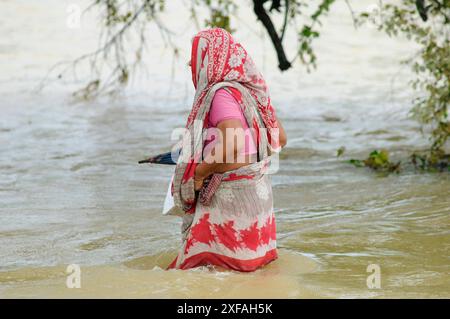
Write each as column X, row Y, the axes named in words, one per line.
column 237, row 229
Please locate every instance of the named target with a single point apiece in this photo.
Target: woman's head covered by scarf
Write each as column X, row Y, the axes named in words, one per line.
column 217, row 57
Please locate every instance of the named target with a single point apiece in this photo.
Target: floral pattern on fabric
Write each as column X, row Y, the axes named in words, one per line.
column 226, row 234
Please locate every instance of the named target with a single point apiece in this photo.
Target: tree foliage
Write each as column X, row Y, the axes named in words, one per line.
column 427, row 23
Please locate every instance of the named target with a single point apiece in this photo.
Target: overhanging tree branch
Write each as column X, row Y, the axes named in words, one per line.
column 258, row 8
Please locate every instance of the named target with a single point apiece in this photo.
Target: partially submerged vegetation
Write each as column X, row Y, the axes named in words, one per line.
column 379, row 160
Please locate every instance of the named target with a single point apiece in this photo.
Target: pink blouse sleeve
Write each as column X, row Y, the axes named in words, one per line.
column 225, row 107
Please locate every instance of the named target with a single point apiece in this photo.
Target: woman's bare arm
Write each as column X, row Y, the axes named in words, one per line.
column 282, row 135
column 282, row 138
column 230, row 149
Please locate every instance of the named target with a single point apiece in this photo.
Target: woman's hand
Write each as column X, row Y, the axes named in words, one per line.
column 198, row 183
column 198, row 178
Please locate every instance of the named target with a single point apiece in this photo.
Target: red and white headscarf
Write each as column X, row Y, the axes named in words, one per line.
column 217, row 60
column 216, row 57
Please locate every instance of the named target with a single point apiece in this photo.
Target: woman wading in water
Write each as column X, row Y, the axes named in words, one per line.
column 235, row 229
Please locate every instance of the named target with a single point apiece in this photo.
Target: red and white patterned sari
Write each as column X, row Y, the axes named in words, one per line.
column 237, row 229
